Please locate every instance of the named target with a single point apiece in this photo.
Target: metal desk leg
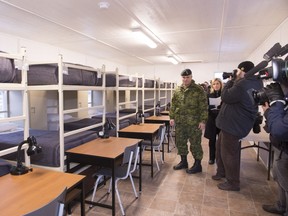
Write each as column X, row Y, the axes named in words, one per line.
column 113, row 189
column 152, row 174
column 82, row 199
column 258, row 148
column 140, row 170
column 168, row 134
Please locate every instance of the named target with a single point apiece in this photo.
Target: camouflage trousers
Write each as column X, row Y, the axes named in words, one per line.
column 185, row 133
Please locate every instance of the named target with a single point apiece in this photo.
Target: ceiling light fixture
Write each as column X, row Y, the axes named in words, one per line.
column 173, row 60
column 144, row 37
column 103, row 5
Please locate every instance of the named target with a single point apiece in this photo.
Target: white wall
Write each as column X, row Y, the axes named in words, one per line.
column 37, row 51
column 38, row 109
column 279, row 35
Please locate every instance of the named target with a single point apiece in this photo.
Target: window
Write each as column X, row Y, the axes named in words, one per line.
column 90, row 95
column 3, row 104
column 218, row 75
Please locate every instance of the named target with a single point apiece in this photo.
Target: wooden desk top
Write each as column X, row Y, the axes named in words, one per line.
column 111, row 147
column 141, row 128
column 159, row 118
column 25, row 193
column 165, row 112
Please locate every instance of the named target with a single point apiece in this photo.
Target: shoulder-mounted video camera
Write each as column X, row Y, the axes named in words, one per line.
column 278, row 72
column 227, row 75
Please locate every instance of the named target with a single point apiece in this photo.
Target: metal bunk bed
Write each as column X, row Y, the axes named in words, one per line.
column 67, row 139
column 122, row 93
column 165, row 93
column 148, row 96
column 16, row 119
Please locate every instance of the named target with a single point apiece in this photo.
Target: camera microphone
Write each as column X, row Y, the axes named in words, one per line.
column 283, row 51
column 254, row 70
column 273, row 51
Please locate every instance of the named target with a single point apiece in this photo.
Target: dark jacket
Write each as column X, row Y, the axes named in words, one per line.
column 210, row 129
column 277, row 121
column 277, row 124
column 238, row 111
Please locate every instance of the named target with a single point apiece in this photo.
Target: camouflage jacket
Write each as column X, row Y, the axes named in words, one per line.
column 189, row 105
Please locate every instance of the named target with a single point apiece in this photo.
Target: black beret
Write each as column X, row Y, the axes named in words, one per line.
column 186, row 72
column 246, row 66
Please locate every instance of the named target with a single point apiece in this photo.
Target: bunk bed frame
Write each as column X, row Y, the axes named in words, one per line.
column 13, row 85
column 127, row 107
column 165, row 93
column 149, row 97
column 61, row 88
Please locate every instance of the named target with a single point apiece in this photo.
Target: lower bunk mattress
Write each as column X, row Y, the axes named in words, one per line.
column 112, row 116
column 74, row 125
column 49, row 141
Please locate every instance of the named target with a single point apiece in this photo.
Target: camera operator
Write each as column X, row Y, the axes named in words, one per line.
column 277, row 125
column 235, row 120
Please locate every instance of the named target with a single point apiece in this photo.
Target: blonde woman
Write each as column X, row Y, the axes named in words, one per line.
column 214, row 103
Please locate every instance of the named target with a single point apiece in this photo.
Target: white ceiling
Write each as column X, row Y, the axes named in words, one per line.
column 208, row 30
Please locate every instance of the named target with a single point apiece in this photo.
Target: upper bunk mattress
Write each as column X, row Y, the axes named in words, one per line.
column 47, row 74
column 7, row 70
column 124, row 81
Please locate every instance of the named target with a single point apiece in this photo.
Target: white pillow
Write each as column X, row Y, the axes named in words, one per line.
column 4, row 127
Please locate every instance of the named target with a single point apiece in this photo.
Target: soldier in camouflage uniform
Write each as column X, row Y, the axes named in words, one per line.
column 189, row 113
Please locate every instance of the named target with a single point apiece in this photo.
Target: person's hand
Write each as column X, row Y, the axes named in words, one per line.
column 265, row 106
column 201, row 126
column 274, row 93
column 172, row 122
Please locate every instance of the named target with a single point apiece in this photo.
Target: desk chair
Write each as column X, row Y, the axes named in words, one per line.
column 157, row 144
column 124, row 171
column 53, row 208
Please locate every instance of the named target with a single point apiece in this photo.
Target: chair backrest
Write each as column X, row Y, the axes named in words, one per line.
column 161, row 134
column 135, row 160
column 130, row 157
column 53, row 208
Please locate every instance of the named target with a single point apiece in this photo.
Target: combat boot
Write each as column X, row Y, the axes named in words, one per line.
column 183, row 163
column 195, row 168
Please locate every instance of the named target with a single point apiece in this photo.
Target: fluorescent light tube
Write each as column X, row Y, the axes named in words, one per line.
column 143, row 37
column 173, row 60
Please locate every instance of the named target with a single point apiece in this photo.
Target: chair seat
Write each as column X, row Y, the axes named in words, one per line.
column 148, row 143
column 120, row 172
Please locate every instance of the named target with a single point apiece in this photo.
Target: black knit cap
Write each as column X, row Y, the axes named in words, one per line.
column 246, row 66
column 186, row 72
